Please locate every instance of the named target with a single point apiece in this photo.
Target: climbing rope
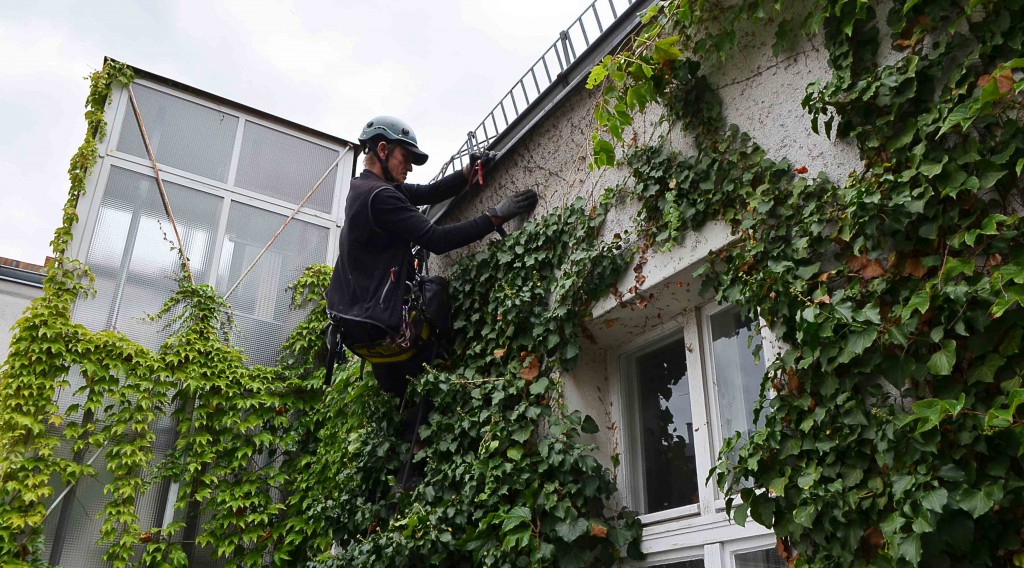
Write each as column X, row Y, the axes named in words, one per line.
column 160, row 185
column 170, row 214
column 281, row 230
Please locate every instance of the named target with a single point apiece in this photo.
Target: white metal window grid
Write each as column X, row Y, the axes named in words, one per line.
column 118, row 111
column 701, row 530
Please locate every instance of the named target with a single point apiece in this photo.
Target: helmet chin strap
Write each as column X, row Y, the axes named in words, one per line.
column 384, row 163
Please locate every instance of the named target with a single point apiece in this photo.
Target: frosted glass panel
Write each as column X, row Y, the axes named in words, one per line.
column 184, row 135
column 262, row 302
column 136, row 271
column 286, row 167
column 131, row 257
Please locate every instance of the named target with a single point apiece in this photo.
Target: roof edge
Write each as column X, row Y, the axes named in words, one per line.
column 144, row 74
column 555, row 94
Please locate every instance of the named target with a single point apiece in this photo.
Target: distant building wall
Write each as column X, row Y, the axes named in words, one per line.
column 18, row 287
column 232, row 176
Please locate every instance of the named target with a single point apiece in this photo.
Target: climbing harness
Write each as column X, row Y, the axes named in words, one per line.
column 426, row 318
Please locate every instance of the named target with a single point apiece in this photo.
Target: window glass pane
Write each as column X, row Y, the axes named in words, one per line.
column 130, row 253
column 82, row 521
column 666, row 422
column 183, row 134
column 736, row 375
column 767, row 558
column 262, row 302
column 695, row 563
column 286, row 167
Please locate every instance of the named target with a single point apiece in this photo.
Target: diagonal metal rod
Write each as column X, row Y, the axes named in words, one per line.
column 281, row 230
column 72, row 484
column 160, row 185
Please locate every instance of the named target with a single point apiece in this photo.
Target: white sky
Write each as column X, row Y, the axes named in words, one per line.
column 441, row 65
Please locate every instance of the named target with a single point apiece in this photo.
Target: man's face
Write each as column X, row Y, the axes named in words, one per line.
column 399, row 164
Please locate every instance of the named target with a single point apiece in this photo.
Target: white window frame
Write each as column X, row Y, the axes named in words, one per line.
column 716, row 429
column 673, row 534
column 686, row 325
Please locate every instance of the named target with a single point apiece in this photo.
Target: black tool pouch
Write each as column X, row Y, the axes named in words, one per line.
column 437, row 307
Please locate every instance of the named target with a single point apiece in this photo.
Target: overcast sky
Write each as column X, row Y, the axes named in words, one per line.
column 439, row 64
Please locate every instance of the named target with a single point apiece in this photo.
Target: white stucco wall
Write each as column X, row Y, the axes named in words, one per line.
column 760, row 94
column 14, row 298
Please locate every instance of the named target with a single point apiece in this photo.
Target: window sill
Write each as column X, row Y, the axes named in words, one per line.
column 682, row 533
column 670, row 514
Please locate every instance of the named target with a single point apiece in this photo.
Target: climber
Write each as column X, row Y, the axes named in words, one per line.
column 374, row 290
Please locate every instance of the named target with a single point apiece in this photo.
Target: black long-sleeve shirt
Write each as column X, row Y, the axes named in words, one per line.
column 374, row 257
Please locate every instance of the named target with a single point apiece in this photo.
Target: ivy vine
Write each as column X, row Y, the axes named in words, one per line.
column 892, row 433
column 281, row 467
column 41, row 354
column 508, row 480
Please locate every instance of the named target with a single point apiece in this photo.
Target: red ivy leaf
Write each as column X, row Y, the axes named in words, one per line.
column 532, row 368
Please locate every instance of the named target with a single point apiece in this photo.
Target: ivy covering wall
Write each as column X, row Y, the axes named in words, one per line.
column 894, row 435
column 285, row 470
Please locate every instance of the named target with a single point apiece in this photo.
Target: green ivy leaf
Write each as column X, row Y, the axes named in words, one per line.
column 571, row 530
column 931, row 169
column 604, row 153
column 961, row 116
column 942, row 361
column 598, row 73
column 935, row 500
column 901, row 483
column 1010, row 295
column 805, row 515
column 857, row 342
column 910, row 548
column 974, row 501
column 739, row 514
column 515, row 452
column 666, row 50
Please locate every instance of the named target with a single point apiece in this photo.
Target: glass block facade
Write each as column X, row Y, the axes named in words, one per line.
column 232, row 176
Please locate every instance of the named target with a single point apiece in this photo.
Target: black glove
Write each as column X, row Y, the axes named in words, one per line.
column 515, row 205
column 484, row 157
